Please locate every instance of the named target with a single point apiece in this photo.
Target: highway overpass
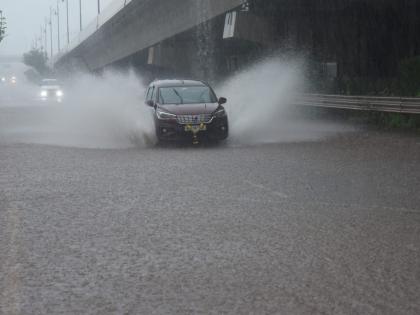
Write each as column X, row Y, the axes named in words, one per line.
column 363, row 40
column 138, row 26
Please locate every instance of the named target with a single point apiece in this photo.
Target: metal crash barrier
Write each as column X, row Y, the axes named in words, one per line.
column 366, row 103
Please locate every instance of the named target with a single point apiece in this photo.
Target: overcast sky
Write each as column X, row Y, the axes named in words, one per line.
column 25, row 17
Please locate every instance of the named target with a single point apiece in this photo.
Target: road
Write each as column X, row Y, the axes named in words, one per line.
column 306, row 227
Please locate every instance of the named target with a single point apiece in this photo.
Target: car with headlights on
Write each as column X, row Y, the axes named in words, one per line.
column 50, row 90
column 187, row 109
column 12, row 80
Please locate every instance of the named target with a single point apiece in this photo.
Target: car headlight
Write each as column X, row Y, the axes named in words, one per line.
column 164, row 115
column 220, row 113
column 3, row 79
column 59, row 93
column 44, row 93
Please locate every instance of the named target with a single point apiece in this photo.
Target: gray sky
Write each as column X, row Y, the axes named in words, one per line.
column 25, row 17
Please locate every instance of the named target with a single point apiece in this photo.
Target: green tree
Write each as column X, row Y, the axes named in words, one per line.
column 37, row 60
column 410, row 76
column 2, row 26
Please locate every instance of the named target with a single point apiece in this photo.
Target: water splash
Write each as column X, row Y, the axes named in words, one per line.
column 109, row 111
column 261, row 105
column 98, row 112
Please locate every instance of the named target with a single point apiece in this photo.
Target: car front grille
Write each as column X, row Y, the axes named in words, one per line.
column 51, row 93
column 194, row 119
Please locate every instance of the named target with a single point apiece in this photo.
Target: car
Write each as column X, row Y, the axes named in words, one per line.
column 8, row 80
column 51, row 90
column 187, row 109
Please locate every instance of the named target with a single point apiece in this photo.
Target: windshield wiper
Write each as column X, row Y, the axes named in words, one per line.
column 180, row 97
column 161, row 97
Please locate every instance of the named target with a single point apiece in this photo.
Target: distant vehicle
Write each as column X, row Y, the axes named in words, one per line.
column 5, row 74
column 51, row 90
column 187, row 109
column 12, row 80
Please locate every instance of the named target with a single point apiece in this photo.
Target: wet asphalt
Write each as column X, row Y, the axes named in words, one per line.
column 313, row 227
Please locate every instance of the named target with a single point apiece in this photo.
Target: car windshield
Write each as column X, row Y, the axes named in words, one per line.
column 186, row 95
column 49, row 82
column 50, row 87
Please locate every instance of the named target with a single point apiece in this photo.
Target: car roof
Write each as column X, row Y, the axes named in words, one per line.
column 169, row 83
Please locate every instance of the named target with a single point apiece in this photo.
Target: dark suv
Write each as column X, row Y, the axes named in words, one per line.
column 186, row 109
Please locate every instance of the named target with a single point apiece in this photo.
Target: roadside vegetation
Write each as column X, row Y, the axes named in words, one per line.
column 395, row 120
column 37, row 60
column 405, row 83
column 2, row 26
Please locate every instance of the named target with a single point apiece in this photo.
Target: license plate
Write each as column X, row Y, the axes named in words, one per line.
column 195, row 128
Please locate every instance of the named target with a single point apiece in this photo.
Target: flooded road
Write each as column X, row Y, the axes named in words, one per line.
column 308, row 227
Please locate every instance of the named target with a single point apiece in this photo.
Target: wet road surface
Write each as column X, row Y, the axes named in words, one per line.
column 322, row 227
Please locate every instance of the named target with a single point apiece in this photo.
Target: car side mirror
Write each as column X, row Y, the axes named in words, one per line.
column 222, row 100
column 150, row 103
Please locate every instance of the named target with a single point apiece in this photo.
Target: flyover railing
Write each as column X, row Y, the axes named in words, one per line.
column 112, row 9
column 366, row 103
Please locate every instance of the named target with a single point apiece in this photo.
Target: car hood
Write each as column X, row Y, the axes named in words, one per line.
column 190, row 109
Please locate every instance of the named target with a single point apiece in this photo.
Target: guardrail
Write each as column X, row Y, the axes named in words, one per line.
column 109, row 11
column 366, row 103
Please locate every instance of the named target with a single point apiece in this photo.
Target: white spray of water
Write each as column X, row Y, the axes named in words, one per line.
column 109, row 111
column 106, row 112
column 97, row 112
column 261, row 105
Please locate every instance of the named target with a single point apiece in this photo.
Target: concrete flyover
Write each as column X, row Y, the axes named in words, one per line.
column 140, row 25
column 346, row 42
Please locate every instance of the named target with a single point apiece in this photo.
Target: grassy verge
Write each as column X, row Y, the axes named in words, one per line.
column 409, row 122
column 395, row 120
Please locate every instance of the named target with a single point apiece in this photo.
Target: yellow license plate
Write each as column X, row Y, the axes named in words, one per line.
column 195, row 128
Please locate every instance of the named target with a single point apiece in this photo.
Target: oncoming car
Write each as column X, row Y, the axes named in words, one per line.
column 51, row 90
column 8, row 80
column 187, row 109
